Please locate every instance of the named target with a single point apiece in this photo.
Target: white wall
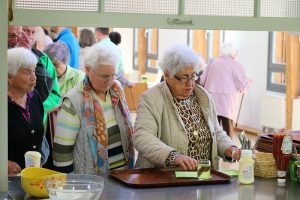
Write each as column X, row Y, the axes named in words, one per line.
column 253, row 54
column 169, row 37
column 126, row 47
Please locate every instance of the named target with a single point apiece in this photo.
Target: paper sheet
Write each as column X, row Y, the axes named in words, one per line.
column 186, row 174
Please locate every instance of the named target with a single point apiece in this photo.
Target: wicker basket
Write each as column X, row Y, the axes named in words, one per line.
column 265, row 165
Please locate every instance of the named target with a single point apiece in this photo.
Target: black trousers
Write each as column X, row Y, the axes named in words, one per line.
column 227, row 125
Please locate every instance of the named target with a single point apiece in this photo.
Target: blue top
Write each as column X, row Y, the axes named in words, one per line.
column 69, row 39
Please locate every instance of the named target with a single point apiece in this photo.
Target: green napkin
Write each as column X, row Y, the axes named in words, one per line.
column 186, row 174
column 229, row 172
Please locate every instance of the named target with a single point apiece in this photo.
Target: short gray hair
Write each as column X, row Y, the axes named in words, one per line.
column 58, row 51
column 101, row 54
column 19, row 58
column 227, row 49
column 177, row 58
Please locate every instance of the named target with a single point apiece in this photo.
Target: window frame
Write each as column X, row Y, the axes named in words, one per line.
column 149, row 56
column 210, row 34
column 274, row 67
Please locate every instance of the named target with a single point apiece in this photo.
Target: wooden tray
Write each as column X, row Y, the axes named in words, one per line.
column 153, row 177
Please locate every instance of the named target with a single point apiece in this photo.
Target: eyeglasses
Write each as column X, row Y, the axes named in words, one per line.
column 107, row 77
column 185, row 79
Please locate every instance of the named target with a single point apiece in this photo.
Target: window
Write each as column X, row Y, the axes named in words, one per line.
column 135, row 49
column 205, row 42
column 276, row 80
column 151, row 50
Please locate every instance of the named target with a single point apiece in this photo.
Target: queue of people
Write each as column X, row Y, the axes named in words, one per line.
column 176, row 124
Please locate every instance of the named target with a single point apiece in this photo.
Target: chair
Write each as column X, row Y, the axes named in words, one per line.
column 132, row 95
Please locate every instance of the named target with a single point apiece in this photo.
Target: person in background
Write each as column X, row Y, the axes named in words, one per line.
column 101, row 34
column 65, row 35
column 48, row 39
column 49, row 34
column 115, row 37
column 94, row 133
column 30, row 32
column 67, row 76
column 40, row 39
column 224, row 77
column 47, row 83
column 183, row 127
column 86, row 40
column 16, row 37
column 25, row 109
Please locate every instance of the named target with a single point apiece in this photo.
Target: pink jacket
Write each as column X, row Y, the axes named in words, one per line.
column 223, row 78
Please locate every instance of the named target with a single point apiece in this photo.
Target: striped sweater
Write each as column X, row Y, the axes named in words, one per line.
column 67, row 129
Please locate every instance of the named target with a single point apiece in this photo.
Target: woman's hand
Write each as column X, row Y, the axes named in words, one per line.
column 13, row 168
column 23, row 40
column 186, row 162
column 233, row 152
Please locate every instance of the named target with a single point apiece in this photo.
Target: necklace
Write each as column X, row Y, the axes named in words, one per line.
column 195, row 123
column 192, row 116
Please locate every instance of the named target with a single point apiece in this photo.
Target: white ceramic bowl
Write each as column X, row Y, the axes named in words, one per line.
column 76, row 186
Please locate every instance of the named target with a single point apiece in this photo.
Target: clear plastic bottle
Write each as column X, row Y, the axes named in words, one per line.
column 246, row 167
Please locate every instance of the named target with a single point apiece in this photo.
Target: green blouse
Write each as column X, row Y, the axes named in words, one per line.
column 54, row 97
column 71, row 78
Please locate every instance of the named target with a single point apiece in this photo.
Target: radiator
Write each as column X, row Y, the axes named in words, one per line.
column 296, row 114
column 272, row 111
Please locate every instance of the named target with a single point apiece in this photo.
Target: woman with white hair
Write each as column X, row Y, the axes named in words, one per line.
column 176, row 122
column 224, row 78
column 25, row 109
column 94, row 132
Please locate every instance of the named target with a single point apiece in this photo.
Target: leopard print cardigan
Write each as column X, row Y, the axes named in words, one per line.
column 200, row 140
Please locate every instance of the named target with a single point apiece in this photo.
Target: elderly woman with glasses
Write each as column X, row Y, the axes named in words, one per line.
column 94, row 132
column 176, row 122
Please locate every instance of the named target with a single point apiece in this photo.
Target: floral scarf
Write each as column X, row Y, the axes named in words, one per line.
column 96, row 127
